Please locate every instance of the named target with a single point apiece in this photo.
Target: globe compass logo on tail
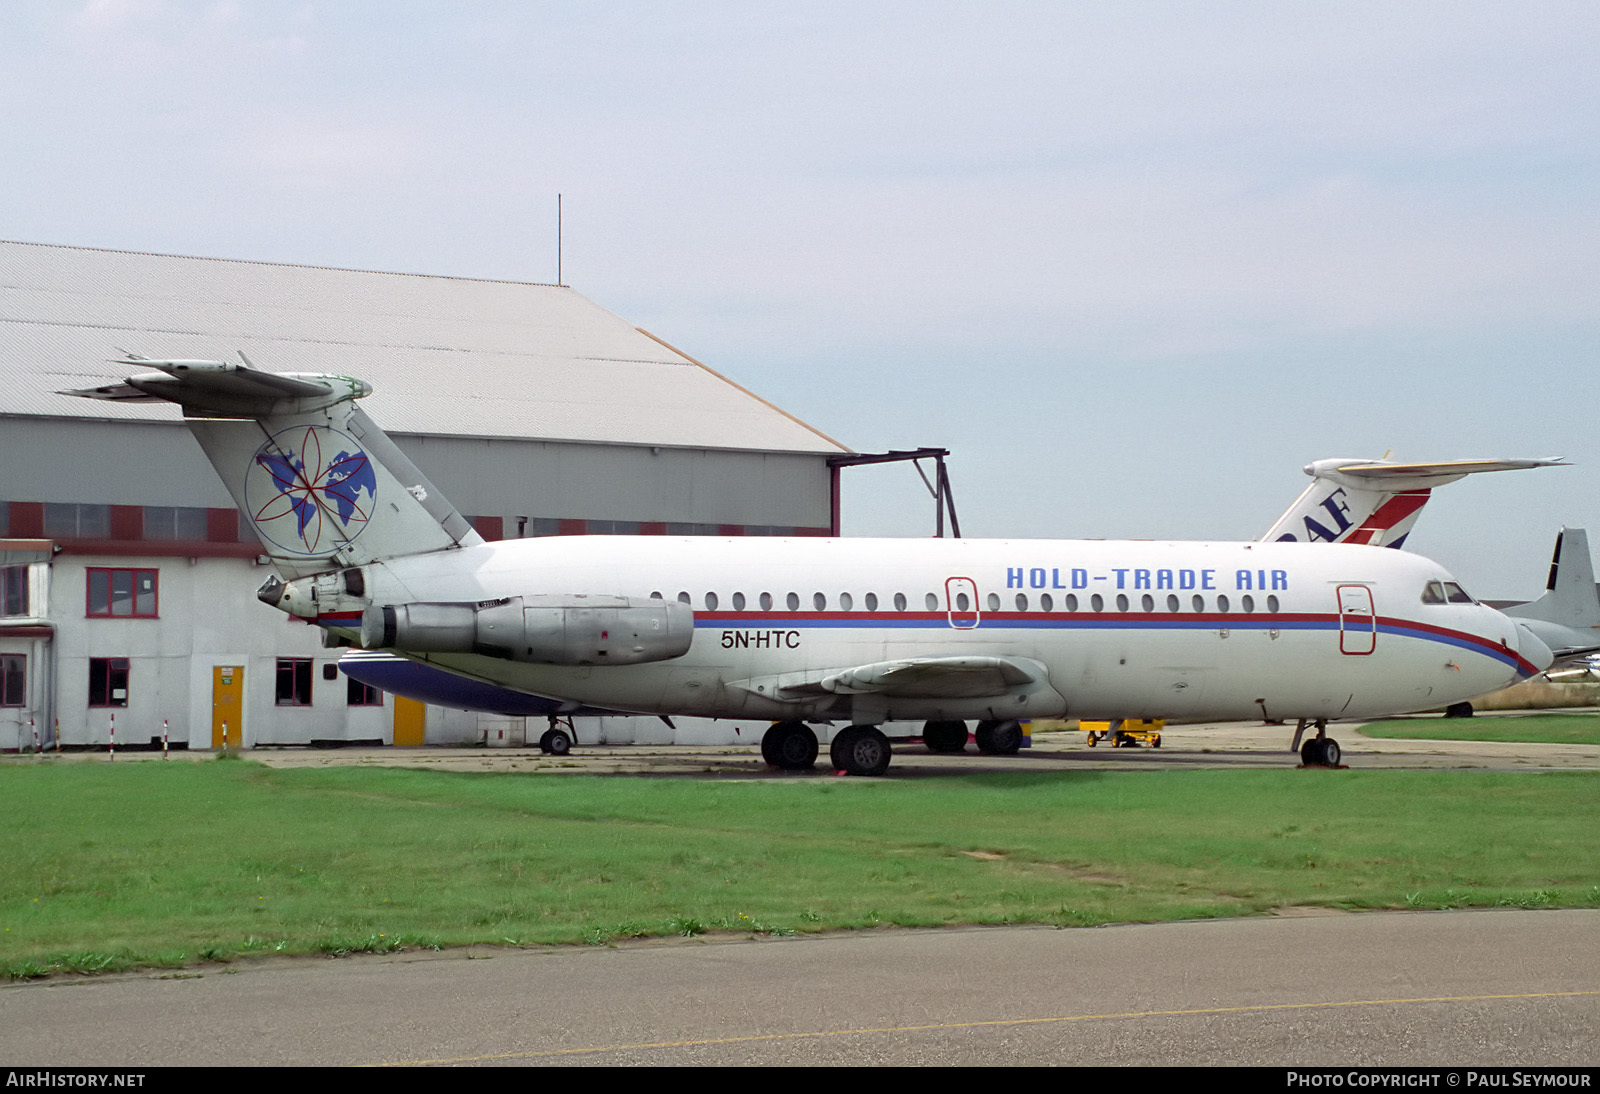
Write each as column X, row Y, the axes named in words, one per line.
column 309, row 490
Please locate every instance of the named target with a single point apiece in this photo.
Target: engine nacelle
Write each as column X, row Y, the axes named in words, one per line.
column 548, row 630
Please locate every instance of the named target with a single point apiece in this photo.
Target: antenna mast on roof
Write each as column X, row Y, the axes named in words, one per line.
column 558, row 240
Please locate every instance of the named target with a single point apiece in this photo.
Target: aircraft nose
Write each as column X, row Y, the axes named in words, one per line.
column 1532, row 647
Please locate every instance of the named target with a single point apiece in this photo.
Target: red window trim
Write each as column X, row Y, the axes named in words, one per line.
column 88, row 592
column 22, row 700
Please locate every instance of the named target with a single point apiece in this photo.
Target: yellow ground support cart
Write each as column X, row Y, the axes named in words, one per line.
column 1125, row 732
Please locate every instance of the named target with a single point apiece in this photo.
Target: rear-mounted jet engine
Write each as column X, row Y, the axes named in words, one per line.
column 549, row 630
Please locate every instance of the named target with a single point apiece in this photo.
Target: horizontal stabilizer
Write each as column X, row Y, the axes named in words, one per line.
column 1376, row 502
column 224, row 389
column 1387, row 471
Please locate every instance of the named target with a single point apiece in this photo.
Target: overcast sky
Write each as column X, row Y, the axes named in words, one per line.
column 1133, row 263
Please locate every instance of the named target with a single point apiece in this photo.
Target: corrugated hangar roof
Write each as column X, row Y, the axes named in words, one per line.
column 445, row 355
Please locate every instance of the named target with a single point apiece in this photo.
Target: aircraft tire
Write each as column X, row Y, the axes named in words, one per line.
column 1000, row 738
column 1330, row 752
column 557, row 742
column 790, row 746
column 945, row 736
column 1458, row 710
column 860, row 750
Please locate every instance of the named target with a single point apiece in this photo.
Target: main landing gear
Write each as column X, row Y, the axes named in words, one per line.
column 999, row 738
column 945, row 736
column 790, row 746
column 860, row 750
column 557, row 740
column 856, row 750
column 1321, row 750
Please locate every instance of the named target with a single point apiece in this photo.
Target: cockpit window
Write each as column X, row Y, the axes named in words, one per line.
column 1445, row 592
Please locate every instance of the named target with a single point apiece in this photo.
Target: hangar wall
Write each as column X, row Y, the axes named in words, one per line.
column 127, row 580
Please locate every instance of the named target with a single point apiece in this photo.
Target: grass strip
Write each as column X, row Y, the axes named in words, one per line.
column 113, row 866
column 1568, row 729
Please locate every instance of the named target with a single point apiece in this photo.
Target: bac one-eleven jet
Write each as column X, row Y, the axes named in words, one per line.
column 809, row 631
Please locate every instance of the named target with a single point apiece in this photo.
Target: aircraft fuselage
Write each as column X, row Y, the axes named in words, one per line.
column 814, row 628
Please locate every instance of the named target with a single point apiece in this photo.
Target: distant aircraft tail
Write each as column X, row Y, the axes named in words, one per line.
column 1567, row 616
column 321, row 485
column 1375, row 501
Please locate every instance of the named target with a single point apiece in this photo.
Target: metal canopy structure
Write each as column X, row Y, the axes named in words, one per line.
column 943, row 500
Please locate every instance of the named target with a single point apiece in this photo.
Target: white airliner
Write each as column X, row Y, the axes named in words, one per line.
column 810, row 631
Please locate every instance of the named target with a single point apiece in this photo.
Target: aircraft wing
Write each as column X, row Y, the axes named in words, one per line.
column 917, row 677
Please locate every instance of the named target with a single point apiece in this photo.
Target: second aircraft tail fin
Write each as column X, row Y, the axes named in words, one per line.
column 1375, row 501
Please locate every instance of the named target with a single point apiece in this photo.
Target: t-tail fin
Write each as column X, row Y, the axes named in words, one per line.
column 321, row 485
column 1375, row 501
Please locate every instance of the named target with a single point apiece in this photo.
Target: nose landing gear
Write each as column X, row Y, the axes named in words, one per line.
column 1319, row 751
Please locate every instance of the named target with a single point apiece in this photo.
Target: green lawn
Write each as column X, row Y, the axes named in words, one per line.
column 1570, row 729
column 112, row 865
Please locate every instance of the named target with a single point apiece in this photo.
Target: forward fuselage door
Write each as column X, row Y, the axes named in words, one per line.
column 961, row 602
column 1358, row 622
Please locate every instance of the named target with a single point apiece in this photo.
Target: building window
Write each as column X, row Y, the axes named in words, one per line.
column 358, row 694
column 108, row 681
column 123, row 594
column 175, row 523
column 13, row 679
column 294, row 681
column 13, row 590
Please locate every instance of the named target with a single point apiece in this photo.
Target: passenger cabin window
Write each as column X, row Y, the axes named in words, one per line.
column 1122, row 602
column 1046, row 603
column 1097, row 603
column 1272, row 603
column 683, row 598
column 711, row 602
column 994, row 602
column 1222, row 603
column 872, row 602
column 766, row 602
column 738, row 602
column 1022, row 602
column 932, row 602
column 793, row 601
column 1172, row 602
column 845, row 602
column 1070, row 602
column 820, row 601
column 899, row 602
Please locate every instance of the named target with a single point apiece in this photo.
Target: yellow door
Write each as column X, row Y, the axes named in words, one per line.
column 227, row 705
column 408, row 719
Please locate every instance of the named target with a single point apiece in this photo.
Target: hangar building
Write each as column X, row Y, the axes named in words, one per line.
column 127, row 579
